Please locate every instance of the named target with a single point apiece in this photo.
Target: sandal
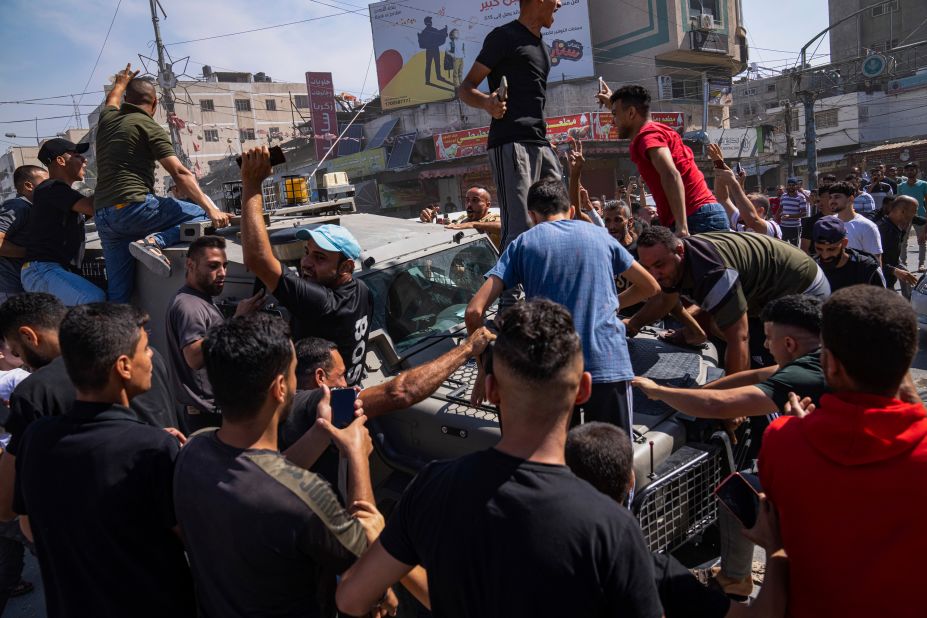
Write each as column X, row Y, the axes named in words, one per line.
column 149, row 253
column 678, row 338
column 21, row 588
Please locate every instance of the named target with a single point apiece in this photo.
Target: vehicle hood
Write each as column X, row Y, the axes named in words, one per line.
column 856, row 429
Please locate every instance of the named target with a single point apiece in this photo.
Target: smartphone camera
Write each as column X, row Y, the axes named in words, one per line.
column 342, row 402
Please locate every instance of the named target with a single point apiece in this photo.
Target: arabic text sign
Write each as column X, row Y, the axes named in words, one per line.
column 674, row 120
column 358, row 165
column 424, row 47
column 735, row 143
column 322, row 109
column 461, row 144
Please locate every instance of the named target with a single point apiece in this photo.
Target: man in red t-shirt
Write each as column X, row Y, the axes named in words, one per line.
column 848, row 477
column 666, row 165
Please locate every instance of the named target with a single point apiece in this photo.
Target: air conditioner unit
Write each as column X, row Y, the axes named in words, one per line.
column 707, row 22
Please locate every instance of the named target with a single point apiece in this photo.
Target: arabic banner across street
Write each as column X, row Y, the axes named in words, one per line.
column 425, row 47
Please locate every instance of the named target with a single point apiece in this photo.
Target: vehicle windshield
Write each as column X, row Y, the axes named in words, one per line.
column 428, row 296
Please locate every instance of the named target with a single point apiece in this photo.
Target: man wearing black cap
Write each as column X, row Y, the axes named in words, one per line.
column 55, row 233
column 131, row 220
column 324, row 299
column 842, row 266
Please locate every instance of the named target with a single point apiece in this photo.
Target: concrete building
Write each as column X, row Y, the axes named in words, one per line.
column 27, row 155
column 883, row 27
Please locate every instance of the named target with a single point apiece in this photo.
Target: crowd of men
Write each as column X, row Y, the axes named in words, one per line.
column 213, row 480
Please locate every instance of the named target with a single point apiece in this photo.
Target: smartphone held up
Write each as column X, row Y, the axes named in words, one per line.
column 276, row 157
column 739, row 493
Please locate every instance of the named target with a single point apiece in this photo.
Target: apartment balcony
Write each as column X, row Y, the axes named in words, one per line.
column 709, row 42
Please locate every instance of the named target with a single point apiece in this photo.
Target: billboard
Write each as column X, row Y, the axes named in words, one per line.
column 322, row 110
column 425, row 47
column 674, row 120
column 360, row 164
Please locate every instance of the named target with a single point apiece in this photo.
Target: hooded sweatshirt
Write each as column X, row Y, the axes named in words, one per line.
column 850, row 484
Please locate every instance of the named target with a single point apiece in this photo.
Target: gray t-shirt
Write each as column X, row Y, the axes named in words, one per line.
column 189, row 316
column 14, row 214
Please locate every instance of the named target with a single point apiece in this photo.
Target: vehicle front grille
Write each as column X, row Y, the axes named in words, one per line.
column 679, row 503
column 460, row 383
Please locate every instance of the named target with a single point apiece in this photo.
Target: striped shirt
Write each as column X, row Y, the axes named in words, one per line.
column 793, row 205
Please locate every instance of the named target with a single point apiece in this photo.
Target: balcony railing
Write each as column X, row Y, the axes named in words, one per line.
column 708, row 41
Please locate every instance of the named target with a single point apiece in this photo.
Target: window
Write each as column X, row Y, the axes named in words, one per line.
column 271, row 105
column 826, row 119
column 211, row 135
column 883, row 46
column 302, row 101
column 687, row 89
column 885, row 8
column 274, row 132
column 242, row 105
column 245, row 134
column 705, row 7
column 207, row 105
column 749, row 92
column 770, row 88
column 772, row 105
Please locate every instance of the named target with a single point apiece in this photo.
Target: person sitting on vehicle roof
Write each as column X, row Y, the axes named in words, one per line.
column 478, row 202
column 14, row 216
column 847, row 476
column 510, row 531
column 730, row 277
column 603, row 456
column 324, row 299
column 130, row 219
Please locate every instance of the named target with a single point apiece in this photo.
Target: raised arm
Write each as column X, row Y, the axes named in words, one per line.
column 122, row 79
column 186, row 182
column 671, row 181
column 728, row 186
column 255, row 243
column 484, row 297
column 643, row 286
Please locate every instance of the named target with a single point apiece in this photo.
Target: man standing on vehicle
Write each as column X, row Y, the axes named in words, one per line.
column 130, row 219
column 666, row 165
column 519, row 153
column 325, row 299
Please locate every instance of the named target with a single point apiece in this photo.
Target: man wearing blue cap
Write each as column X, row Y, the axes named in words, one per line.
column 324, row 298
column 842, row 266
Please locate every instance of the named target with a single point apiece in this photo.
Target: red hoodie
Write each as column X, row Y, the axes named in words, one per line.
column 850, row 484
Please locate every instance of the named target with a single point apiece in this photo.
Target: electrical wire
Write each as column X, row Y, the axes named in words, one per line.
column 99, row 55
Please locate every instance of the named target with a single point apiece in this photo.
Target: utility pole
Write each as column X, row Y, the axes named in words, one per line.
column 167, row 81
column 789, row 140
column 704, row 113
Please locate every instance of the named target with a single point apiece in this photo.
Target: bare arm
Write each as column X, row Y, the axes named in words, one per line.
column 484, row 297
column 26, row 528
column 728, row 187
column 9, row 248
column 364, row 584
column 186, row 182
column 737, row 353
column 84, row 206
column 410, row 387
column 643, row 286
column 704, row 403
column 656, row 307
column 671, row 181
column 743, row 378
column 193, row 355
column 114, row 98
column 470, row 94
column 7, row 481
column 255, row 243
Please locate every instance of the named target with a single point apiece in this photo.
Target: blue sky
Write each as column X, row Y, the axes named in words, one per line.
column 49, row 49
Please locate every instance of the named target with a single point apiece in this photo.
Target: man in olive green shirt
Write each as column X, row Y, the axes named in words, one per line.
column 130, row 219
column 730, row 277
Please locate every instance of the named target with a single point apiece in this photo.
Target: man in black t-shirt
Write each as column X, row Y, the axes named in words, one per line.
column 519, row 534
column 894, row 228
column 54, row 236
column 325, row 300
column 94, row 485
column 843, row 266
column 601, row 454
column 519, row 153
column 14, row 214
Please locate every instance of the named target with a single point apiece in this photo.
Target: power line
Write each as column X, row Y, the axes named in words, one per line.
column 228, row 34
column 99, row 55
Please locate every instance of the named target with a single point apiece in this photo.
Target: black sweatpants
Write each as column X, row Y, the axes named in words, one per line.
column 611, row 402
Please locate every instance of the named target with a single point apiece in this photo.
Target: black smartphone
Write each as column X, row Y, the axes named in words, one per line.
column 739, row 493
column 276, row 157
column 342, row 403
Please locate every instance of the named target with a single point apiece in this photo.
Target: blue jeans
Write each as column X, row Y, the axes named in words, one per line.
column 55, row 279
column 709, row 218
column 159, row 217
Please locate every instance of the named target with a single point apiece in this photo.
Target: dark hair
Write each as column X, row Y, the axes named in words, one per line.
column 601, row 455
column 548, row 197
column 141, row 91
column 24, row 174
column 658, row 235
column 873, row 333
column 92, row 338
column 536, row 340
column 798, row 310
column 313, row 353
column 829, row 178
column 824, row 190
column 202, row 243
column 842, row 188
column 243, row 357
column 635, row 96
column 911, row 164
column 34, row 309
